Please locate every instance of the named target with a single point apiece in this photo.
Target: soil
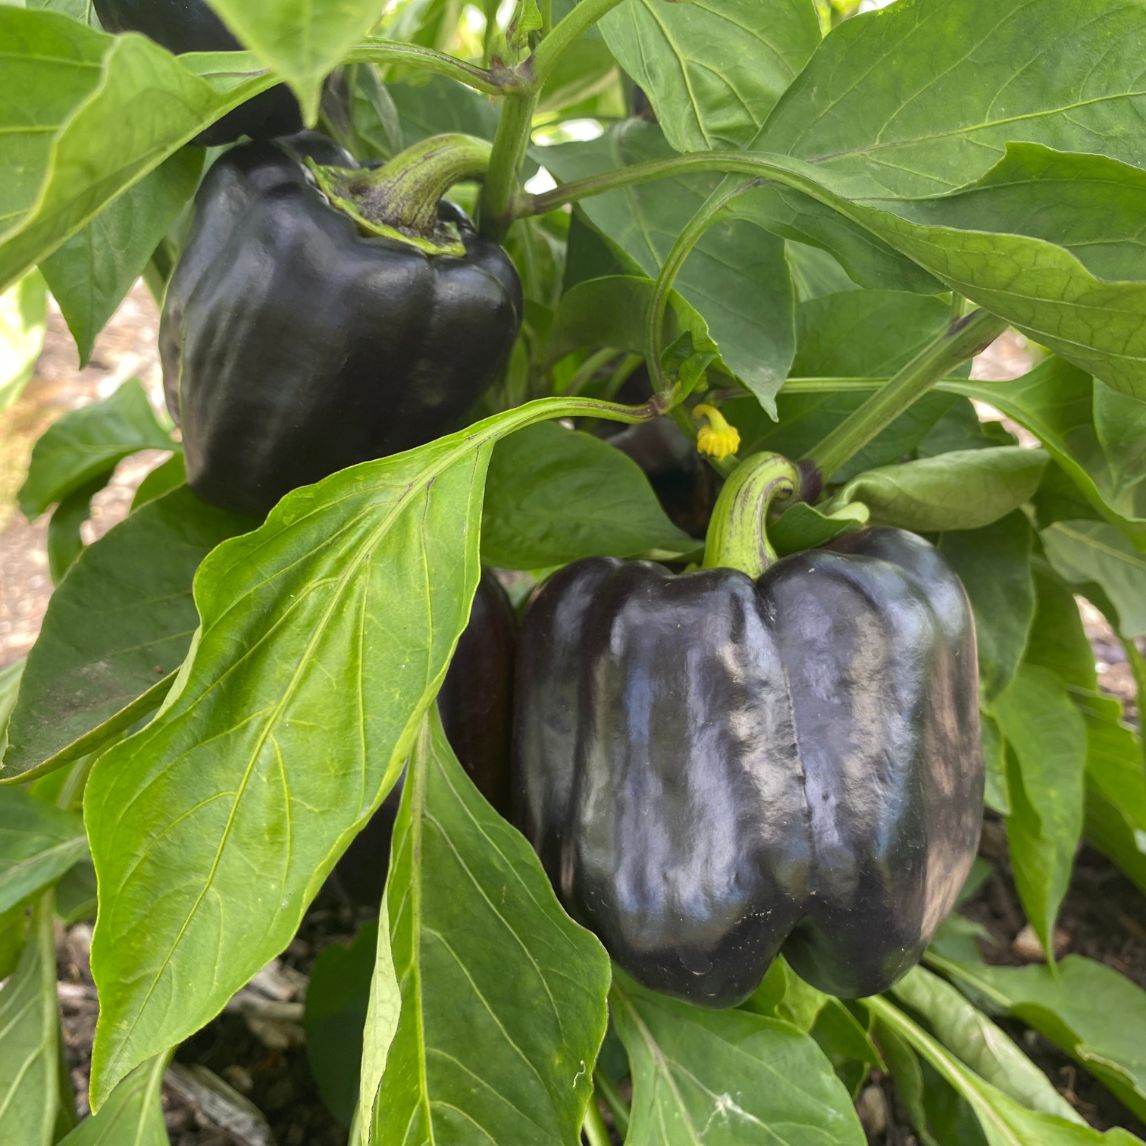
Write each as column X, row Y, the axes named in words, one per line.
column 244, row 1080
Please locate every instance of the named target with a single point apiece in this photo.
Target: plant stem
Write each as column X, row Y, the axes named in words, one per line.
column 737, row 534
column 584, row 373
column 509, row 145
column 491, row 81
column 961, row 340
column 681, row 249
column 694, row 163
column 539, row 67
column 596, row 1132
column 613, row 1101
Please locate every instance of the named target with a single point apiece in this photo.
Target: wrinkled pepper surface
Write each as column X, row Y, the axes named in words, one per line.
column 476, row 706
column 716, row 770
column 293, row 345
column 191, row 26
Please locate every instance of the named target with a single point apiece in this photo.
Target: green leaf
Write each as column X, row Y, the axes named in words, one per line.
column 1005, row 1122
column 85, row 444
column 1046, row 737
column 440, row 105
column 272, row 32
column 92, row 272
column 1115, row 786
column 1059, row 404
column 727, row 1077
column 322, row 641
column 613, row 311
column 802, row 526
column 1085, row 1008
column 966, row 489
column 84, row 116
column 65, row 541
column 1058, row 641
column 115, row 630
column 337, row 998
column 133, row 1114
column 994, row 564
column 997, row 794
column 1084, row 552
column 712, row 71
column 503, row 996
column 555, row 495
column 923, row 97
column 381, row 1025
column 29, row 1070
column 981, row 1044
column 23, row 316
column 38, row 843
column 735, row 261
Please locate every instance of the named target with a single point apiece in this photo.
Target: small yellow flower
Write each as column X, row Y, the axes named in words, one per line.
column 717, row 439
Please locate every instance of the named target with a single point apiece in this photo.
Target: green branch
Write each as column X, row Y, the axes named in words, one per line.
column 961, row 340
column 491, row 81
column 539, row 67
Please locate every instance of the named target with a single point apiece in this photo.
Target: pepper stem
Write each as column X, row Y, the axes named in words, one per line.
column 737, row 535
column 400, row 199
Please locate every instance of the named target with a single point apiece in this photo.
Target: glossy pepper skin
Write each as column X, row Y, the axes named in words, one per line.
column 715, row 770
column 294, row 346
column 191, row 26
column 476, row 706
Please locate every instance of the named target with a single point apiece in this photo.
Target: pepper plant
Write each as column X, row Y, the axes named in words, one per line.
column 741, row 228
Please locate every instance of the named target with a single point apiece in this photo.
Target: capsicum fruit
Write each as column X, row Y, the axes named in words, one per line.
column 715, row 767
column 294, row 345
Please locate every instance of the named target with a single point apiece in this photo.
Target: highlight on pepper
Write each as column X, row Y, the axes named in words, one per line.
column 718, row 438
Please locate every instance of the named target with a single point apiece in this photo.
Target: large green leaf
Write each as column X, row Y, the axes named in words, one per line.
column 994, row 564
column 712, row 71
column 964, row 489
column 503, row 996
column 90, row 274
column 300, row 40
column 727, row 1078
column 29, row 1048
column 1092, row 552
column 1115, row 786
column 923, row 97
column 1004, row 1120
column 736, row 277
column 1087, row 1009
column 133, row 1116
column 980, row 1043
column 116, row 629
column 84, row 116
column 555, row 495
column 87, row 444
column 1046, row 738
column 324, row 636
column 38, row 843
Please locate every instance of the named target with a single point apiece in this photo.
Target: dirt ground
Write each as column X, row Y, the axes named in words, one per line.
column 244, row 1081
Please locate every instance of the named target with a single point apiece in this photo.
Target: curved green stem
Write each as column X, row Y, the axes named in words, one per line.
column 491, row 81
column 400, row 199
column 539, row 67
column 595, row 1130
column 681, row 249
column 613, row 1101
column 694, row 163
column 961, row 340
column 737, row 535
